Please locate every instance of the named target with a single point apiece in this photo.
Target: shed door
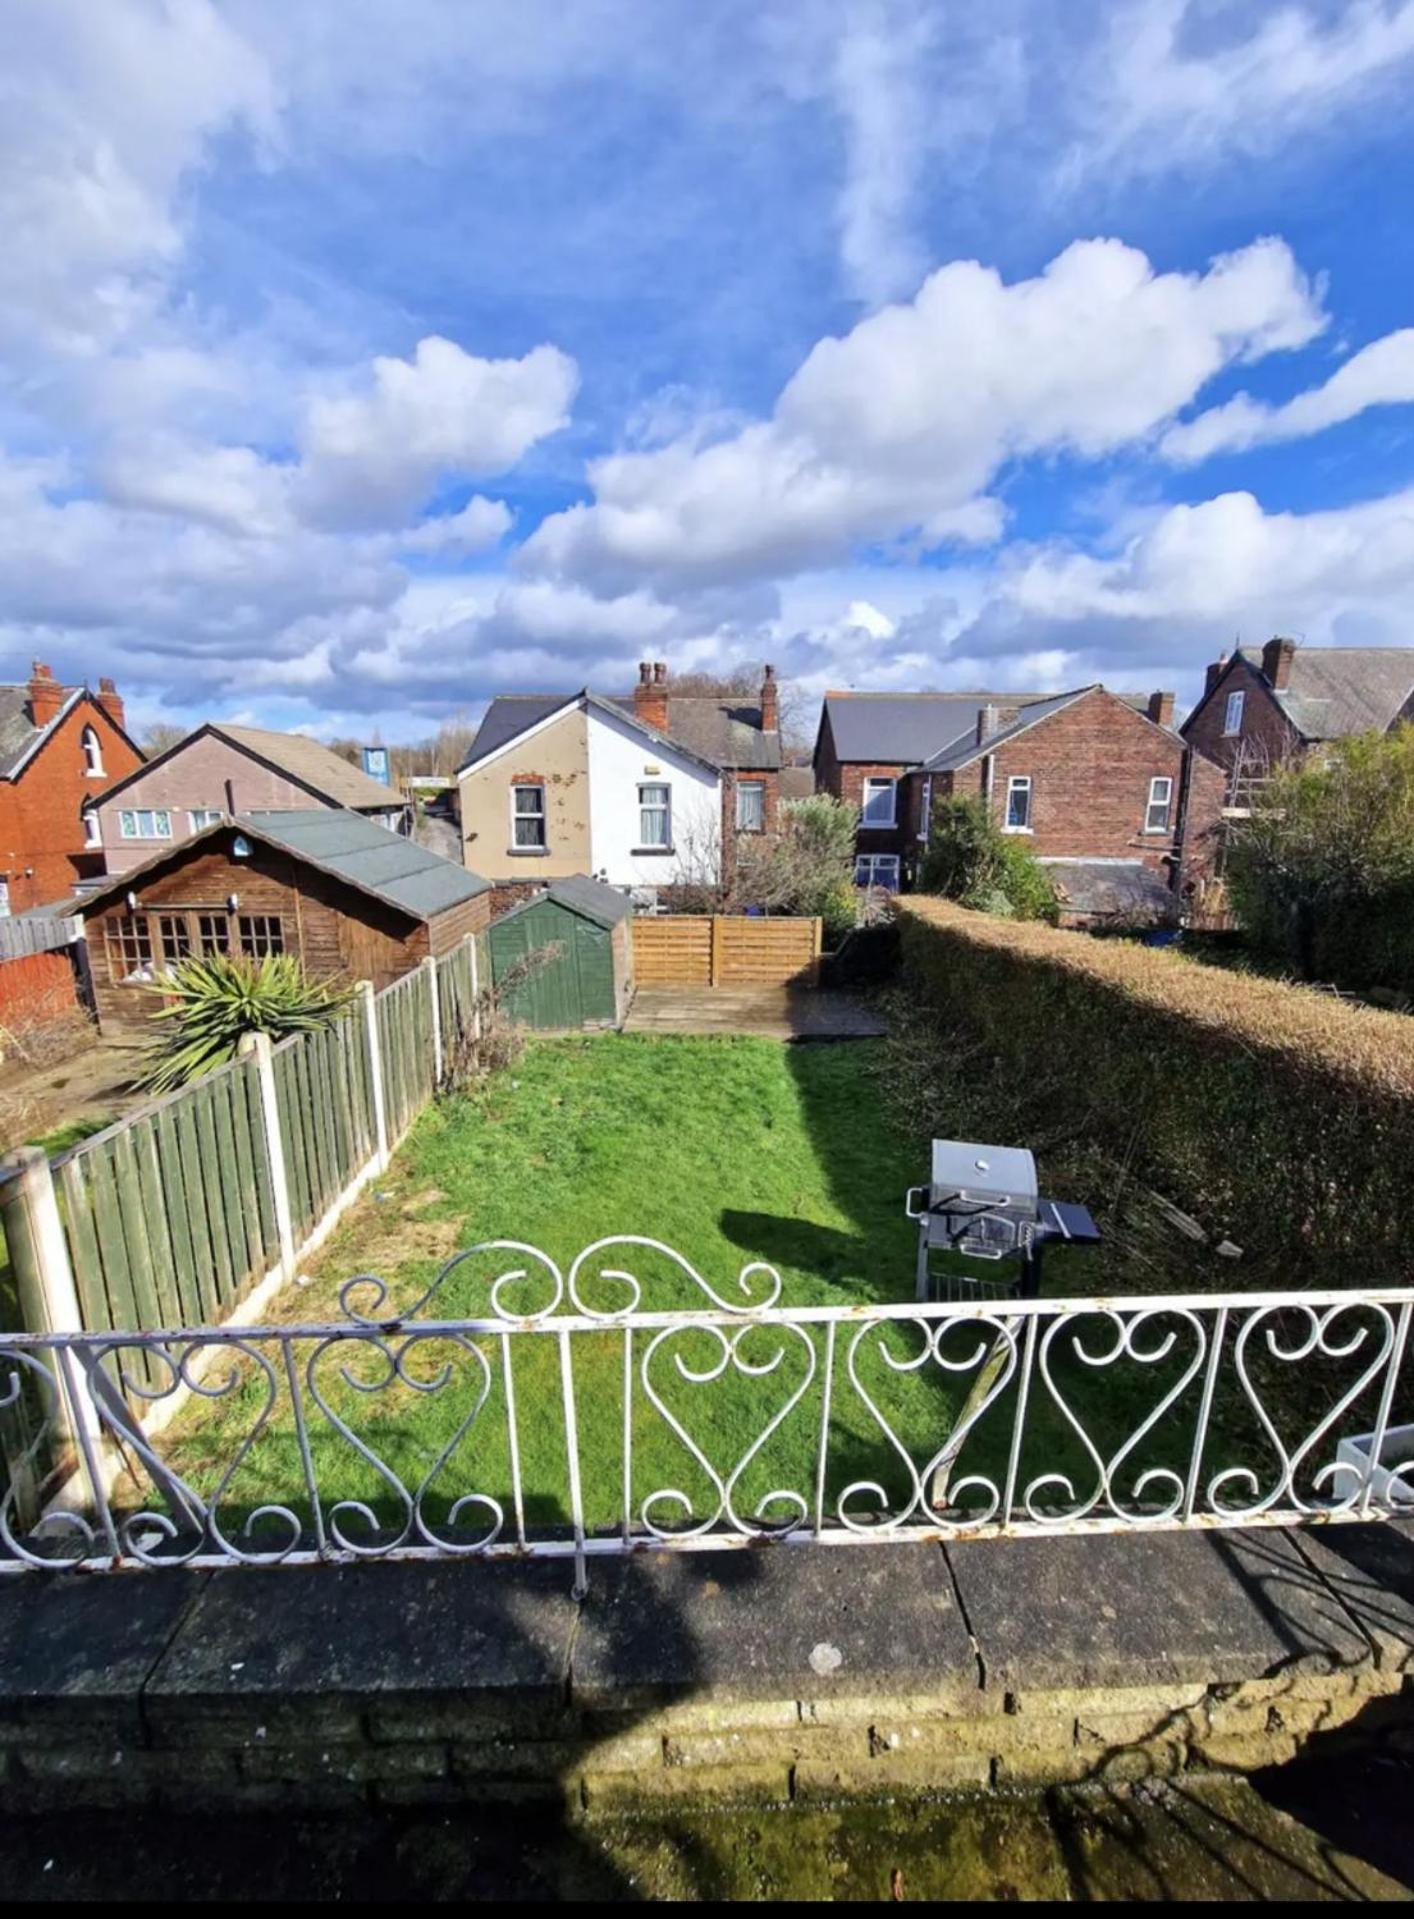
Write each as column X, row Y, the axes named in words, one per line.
column 575, row 987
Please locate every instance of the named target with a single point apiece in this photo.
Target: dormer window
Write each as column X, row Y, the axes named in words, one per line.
column 92, row 754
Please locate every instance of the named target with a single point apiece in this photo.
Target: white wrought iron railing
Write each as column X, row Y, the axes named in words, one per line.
column 567, row 1420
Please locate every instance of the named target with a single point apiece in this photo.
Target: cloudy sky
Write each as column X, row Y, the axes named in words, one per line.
column 362, row 358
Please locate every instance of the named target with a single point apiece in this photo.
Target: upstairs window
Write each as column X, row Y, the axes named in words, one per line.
column 655, row 816
column 92, row 754
column 528, row 819
column 1160, row 807
column 146, row 823
column 92, row 828
column 878, row 803
column 204, row 816
column 1232, row 717
column 751, row 807
column 1018, row 803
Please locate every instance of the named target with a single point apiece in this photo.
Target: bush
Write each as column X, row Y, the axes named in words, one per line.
column 807, row 868
column 209, row 1005
column 1321, row 876
column 971, row 860
column 1278, row 1115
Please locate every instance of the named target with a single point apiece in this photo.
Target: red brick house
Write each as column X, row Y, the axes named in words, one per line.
column 1259, row 710
column 1098, row 785
column 60, row 748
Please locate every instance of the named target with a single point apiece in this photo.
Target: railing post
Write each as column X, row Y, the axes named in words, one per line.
column 429, row 967
column 257, row 1046
column 44, row 1276
column 375, row 1065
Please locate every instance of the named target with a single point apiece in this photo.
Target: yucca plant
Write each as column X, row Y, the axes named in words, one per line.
column 211, row 1004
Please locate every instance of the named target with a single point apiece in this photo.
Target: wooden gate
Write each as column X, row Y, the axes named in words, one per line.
column 681, row 949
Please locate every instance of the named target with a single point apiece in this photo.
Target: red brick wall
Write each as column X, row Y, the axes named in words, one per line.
column 772, row 783
column 41, row 827
column 1267, row 736
column 876, row 839
column 38, row 986
column 1090, row 767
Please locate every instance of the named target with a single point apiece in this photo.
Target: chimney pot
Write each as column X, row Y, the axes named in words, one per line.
column 645, row 673
column 650, row 696
column 660, row 673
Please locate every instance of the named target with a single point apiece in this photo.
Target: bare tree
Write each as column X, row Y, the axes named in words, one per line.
column 161, row 736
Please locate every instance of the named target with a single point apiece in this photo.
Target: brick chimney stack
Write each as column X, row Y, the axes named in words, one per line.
column 770, row 702
column 46, row 695
column 110, row 700
column 1277, row 656
column 650, row 696
column 1214, row 674
column 992, row 718
column 1160, row 709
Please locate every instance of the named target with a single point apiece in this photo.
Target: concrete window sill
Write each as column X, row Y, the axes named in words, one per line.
column 527, row 852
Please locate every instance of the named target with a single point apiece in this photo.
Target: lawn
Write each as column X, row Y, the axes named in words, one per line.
column 731, row 1152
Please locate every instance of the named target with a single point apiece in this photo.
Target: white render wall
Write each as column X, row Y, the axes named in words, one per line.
column 620, row 761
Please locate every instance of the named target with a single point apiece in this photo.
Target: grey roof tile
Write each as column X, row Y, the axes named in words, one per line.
column 720, row 732
column 969, row 748
column 314, row 765
column 18, row 735
column 397, row 870
column 1337, row 690
column 1111, row 887
column 905, row 729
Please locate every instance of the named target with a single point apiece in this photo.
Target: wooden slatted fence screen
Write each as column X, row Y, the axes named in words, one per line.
column 681, row 949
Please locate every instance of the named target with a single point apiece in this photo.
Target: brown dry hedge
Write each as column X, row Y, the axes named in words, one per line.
column 1281, row 1115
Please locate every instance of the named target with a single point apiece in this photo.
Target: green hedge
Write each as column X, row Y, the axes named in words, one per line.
column 1278, row 1115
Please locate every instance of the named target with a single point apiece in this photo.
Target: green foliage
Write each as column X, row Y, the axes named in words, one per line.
column 1322, row 875
column 209, row 1005
column 971, row 860
column 807, row 868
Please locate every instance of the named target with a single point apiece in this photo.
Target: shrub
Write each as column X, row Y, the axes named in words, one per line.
column 971, row 860
column 209, row 1005
column 805, row 868
column 1322, row 875
column 1279, row 1115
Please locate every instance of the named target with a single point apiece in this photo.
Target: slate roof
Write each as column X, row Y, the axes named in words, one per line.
column 314, row 766
column 345, row 844
column 719, row 732
column 905, row 729
column 961, row 751
column 18, row 735
column 797, row 782
column 1337, row 690
column 1112, row 888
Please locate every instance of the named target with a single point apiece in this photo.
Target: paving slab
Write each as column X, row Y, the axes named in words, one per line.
column 75, row 1649
column 1130, row 1609
column 1371, row 1569
column 306, row 1654
column 801, row 1623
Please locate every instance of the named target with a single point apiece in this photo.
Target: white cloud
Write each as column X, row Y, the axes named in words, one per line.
column 371, row 458
column 479, row 524
column 879, row 90
column 895, row 431
column 1381, row 374
column 1182, row 84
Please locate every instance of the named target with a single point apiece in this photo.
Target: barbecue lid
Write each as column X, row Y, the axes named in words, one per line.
column 966, row 1166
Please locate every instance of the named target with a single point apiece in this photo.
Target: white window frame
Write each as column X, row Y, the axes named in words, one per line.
column 1232, row 715
column 1165, row 804
column 203, row 816
column 136, row 815
column 758, row 787
column 870, row 862
column 93, row 754
column 879, row 782
column 5, row 898
column 541, row 816
column 925, row 808
column 92, row 826
column 665, row 807
column 1018, row 783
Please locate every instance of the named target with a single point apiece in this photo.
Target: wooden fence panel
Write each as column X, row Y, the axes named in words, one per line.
column 726, row 950
column 675, row 950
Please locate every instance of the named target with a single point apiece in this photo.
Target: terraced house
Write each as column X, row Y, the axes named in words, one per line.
column 1097, row 785
column 645, row 791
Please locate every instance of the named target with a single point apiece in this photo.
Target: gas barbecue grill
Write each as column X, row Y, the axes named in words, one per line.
column 982, row 1203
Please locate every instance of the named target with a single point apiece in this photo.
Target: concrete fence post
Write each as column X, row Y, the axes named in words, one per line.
column 429, row 967
column 475, row 988
column 44, row 1277
column 375, row 1064
column 257, row 1046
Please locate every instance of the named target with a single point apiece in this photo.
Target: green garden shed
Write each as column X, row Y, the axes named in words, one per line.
column 589, row 980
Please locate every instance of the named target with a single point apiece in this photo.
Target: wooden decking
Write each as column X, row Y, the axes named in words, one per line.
column 770, row 1012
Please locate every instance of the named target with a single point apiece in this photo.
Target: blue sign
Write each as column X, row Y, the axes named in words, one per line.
column 375, row 763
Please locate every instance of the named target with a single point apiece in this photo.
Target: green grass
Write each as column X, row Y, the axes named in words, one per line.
column 730, row 1151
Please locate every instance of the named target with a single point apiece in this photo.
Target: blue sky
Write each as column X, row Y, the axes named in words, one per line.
column 360, row 361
